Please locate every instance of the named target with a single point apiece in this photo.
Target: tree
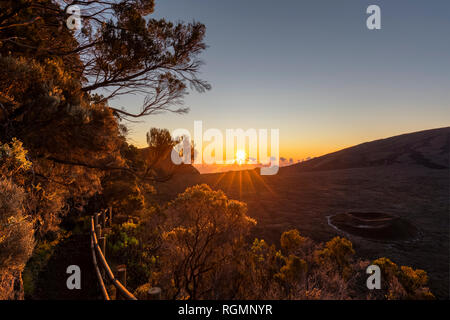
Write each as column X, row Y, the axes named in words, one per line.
column 71, row 143
column 337, row 252
column 403, row 282
column 50, row 75
column 55, row 87
column 16, row 227
column 202, row 232
column 260, row 264
column 160, row 144
column 117, row 50
column 293, row 243
column 16, row 230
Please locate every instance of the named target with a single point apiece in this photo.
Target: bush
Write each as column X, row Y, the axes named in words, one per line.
column 292, row 242
column 203, row 231
column 16, row 232
column 16, row 235
column 338, row 252
column 403, row 282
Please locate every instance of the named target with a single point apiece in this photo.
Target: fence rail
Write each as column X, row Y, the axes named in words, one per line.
column 98, row 254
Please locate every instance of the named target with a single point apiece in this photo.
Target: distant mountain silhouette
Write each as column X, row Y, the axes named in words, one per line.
column 429, row 148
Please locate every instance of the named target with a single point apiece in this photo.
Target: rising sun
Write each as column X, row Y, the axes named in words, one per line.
column 240, row 157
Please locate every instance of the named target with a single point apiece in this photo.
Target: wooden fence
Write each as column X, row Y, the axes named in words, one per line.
column 99, row 223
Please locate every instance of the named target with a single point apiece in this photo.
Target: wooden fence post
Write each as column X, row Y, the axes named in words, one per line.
column 96, row 219
column 122, row 274
column 122, row 277
column 102, row 242
column 98, row 232
column 154, row 293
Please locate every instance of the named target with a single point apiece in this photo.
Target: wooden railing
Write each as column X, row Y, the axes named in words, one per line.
column 103, row 269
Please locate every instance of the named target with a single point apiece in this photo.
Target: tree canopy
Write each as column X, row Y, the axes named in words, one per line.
column 56, row 82
column 119, row 48
column 56, row 120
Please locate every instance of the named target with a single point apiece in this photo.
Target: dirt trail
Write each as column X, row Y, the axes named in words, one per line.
column 51, row 282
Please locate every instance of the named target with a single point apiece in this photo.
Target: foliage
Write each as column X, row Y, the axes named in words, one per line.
column 203, row 254
column 48, row 100
column 42, row 253
column 65, row 137
column 133, row 243
column 16, row 235
column 294, row 269
column 338, row 251
column 142, row 291
column 293, row 243
column 123, row 239
column 261, row 264
column 126, row 195
column 119, row 48
column 202, row 232
column 403, row 282
column 16, row 229
column 61, row 142
column 13, row 158
column 159, row 141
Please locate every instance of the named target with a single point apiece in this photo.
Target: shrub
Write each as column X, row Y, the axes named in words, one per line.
column 16, row 236
column 16, row 231
column 403, row 282
column 292, row 242
column 294, row 270
column 202, row 232
column 337, row 252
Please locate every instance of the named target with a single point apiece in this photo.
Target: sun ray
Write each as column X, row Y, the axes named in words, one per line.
column 250, row 181
column 264, row 183
column 221, row 176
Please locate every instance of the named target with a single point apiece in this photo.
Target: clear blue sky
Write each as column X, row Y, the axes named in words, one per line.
column 313, row 70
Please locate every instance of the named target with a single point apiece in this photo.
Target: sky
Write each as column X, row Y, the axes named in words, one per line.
column 313, row 70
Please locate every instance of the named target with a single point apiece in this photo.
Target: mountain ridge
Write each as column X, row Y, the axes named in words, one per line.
column 429, row 148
